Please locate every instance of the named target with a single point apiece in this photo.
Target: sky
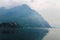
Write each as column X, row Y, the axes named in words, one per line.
column 49, row 9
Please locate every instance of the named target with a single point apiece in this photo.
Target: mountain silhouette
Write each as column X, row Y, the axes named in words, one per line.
column 27, row 19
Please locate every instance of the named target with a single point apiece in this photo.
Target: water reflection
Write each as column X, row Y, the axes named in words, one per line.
column 25, row 34
column 12, row 31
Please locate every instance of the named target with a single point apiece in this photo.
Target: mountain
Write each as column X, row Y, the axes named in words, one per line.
column 27, row 19
column 2, row 11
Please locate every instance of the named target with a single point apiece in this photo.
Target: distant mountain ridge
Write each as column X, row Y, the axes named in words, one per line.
column 25, row 16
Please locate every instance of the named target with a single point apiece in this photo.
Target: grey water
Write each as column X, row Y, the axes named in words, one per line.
column 53, row 34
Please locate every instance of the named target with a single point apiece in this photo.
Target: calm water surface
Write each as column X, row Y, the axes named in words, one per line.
column 53, row 34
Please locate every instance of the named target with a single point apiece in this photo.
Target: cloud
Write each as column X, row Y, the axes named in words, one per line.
column 43, row 4
column 9, row 3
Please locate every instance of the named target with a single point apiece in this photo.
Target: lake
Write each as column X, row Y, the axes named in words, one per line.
column 53, row 34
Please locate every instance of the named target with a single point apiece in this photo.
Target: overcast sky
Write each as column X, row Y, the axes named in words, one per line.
column 49, row 9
